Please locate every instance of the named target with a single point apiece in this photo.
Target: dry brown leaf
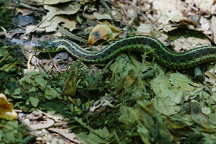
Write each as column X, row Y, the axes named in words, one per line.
column 168, row 10
column 69, row 9
column 213, row 27
column 203, row 5
column 41, row 124
column 210, row 76
column 183, row 44
column 51, row 25
column 51, row 21
column 99, row 16
column 145, row 28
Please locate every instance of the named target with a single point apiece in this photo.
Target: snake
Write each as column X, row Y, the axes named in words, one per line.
column 139, row 44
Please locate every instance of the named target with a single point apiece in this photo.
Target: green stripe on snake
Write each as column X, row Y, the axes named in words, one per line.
column 142, row 44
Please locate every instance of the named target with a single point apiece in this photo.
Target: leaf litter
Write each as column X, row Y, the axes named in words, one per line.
column 130, row 99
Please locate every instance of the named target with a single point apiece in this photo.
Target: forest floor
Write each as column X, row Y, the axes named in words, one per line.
column 54, row 98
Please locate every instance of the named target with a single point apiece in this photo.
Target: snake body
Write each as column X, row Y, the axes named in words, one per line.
column 157, row 49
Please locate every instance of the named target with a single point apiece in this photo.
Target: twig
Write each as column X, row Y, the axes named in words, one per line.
column 30, row 7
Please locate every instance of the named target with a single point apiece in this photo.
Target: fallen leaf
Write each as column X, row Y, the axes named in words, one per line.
column 103, row 31
column 170, row 90
column 187, row 43
column 145, row 28
column 213, row 27
column 168, row 10
column 51, row 25
column 204, row 5
column 100, row 16
column 41, row 124
column 6, row 109
column 69, row 9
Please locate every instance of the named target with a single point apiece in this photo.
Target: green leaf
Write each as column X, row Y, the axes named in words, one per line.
column 51, row 93
column 34, row 101
column 3, row 52
column 170, row 90
column 41, row 81
column 99, row 136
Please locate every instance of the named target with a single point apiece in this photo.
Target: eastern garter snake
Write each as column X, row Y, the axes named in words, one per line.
column 161, row 53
